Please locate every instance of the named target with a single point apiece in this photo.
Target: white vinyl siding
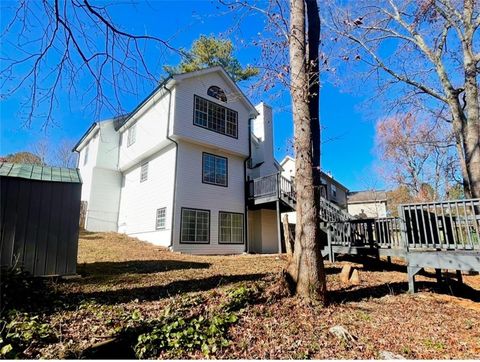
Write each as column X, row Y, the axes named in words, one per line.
column 215, row 117
column 192, row 193
column 160, row 218
column 230, row 228
column 195, row 226
column 215, row 169
column 131, row 135
column 144, row 172
column 140, row 200
column 184, row 126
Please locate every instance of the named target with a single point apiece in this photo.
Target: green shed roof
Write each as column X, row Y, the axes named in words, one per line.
column 42, row 173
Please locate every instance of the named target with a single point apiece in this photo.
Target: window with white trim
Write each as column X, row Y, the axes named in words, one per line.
column 230, row 229
column 214, row 169
column 131, row 135
column 195, row 226
column 144, row 172
column 160, row 219
column 215, row 117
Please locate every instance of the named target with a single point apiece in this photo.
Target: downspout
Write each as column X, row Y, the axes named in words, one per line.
column 176, row 163
column 246, row 181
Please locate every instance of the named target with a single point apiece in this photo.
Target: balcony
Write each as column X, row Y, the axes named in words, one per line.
column 271, row 188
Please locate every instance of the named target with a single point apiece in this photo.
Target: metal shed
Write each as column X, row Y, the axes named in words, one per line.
column 39, row 218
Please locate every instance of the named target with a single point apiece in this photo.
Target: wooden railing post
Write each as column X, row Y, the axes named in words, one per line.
column 403, row 227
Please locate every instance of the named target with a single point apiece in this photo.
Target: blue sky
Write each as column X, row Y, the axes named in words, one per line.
column 348, row 132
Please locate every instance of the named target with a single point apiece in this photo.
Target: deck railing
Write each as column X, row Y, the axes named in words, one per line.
column 442, row 225
column 446, row 225
column 274, row 185
column 388, row 232
column 329, row 212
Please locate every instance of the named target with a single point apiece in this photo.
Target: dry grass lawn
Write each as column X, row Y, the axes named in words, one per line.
column 122, row 276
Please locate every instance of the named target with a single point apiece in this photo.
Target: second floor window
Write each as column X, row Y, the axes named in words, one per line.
column 85, row 158
column 334, row 191
column 131, row 135
column 215, row 170
column 215, row 117
column 144, row 172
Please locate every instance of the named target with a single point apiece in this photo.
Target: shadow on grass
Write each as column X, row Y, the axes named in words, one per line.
column 137, row 267
column 157, row 292
column 373, row 264
column 451, row 287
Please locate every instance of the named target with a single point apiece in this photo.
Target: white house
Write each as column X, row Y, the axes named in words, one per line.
column 368, row 203
column 331, row 190
column 190, row 168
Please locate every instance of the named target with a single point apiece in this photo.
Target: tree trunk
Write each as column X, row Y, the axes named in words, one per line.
column 472, row 104
column 306, row 268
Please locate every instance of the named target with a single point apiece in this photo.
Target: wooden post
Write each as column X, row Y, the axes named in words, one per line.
column 459, row 276
column 287, row 236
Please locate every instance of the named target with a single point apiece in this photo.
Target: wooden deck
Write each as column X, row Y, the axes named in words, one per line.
column 438, row 235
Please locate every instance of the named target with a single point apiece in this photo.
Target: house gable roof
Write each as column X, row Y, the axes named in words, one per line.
column 180, row 77
column 220, row 70
column 367, row 196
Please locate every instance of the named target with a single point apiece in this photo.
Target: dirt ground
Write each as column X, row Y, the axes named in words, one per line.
column 122, row 275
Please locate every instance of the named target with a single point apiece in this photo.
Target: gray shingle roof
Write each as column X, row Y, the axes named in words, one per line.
column 38, row 172
column 367, row 196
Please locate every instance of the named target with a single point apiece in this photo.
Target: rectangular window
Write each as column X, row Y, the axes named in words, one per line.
column 160, row 220
column 214, row 169
column 85, row 158
column 131, row 135
column 144, row 172
column 334, row 191
column 230, row 230
column 215, row 117
column 195, row 226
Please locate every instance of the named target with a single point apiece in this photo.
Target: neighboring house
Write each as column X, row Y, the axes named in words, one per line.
column 368, row 203
column 332, row 190
column 174, row 171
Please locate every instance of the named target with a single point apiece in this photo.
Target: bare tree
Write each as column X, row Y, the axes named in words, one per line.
column 415, row 152
column 63, row 155
column 42, row 149
column 306, row 268
column 429, row 49
column 295, row 26
column 57, row 47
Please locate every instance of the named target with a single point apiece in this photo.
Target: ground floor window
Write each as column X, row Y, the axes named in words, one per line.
column 160, row 219
column 195, row 226
column 230, row 228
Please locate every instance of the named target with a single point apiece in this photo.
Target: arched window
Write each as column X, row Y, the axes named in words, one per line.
column 217, row 92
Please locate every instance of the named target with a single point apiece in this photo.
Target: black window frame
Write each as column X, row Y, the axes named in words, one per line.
column 203, row 169
column 164, row 209
column 226, row 109
column 181, row 227
column 220, row 226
